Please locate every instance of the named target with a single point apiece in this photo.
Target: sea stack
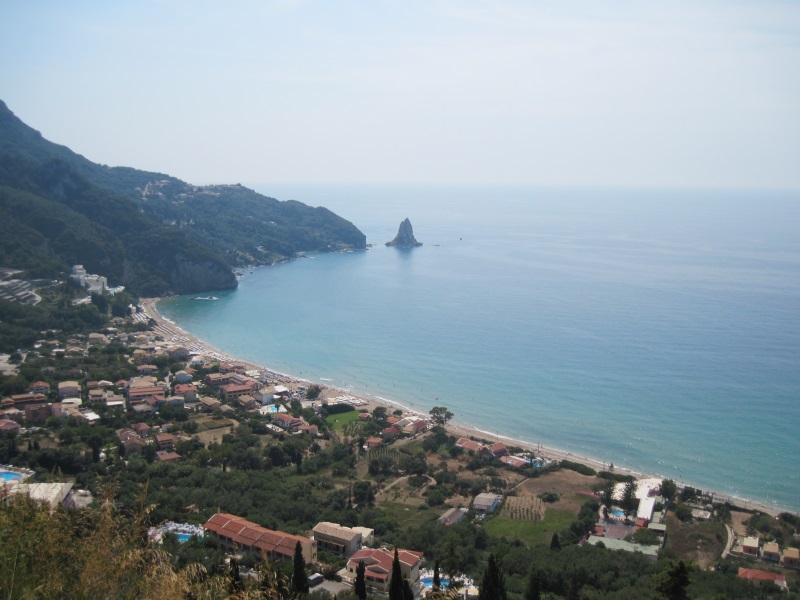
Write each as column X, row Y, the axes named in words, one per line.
column 405, row 237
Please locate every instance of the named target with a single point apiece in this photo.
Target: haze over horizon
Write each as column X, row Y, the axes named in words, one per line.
column 693, row 94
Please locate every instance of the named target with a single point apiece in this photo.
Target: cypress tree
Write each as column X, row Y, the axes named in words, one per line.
column 234, row 579
column 299, row 577
column 360, row 586
column 534, row 589
column 493, row 585
column 408, row 593
column 396, row 582
column 555, row 544
column 437, row 583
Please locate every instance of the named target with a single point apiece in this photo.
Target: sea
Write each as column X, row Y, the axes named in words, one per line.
column 657, row 330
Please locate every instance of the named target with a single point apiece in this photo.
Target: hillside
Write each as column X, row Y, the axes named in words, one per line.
column 150, row 231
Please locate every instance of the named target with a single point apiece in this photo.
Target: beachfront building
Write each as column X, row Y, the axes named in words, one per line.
column 344, row 541
column 239, row 535
column 515, row 461
column 378, row 564
column 771, row 552
column 469, row 445
column 750, row 546
column 791, row 558
column 486, row 503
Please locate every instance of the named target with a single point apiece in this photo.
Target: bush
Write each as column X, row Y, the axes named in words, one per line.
column 578, row 468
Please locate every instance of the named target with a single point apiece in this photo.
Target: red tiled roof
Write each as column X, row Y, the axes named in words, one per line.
column 761, row 575
column 378, row 562
column 252, row 535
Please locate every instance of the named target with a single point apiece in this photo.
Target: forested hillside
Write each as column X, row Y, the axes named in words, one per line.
column 229, row 225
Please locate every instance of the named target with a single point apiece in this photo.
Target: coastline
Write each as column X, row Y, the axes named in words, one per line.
column 194, row 343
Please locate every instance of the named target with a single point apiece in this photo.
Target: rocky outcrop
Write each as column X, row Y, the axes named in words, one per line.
column 405, row 237
column 189, row 276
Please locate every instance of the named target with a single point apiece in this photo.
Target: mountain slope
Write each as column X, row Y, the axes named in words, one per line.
column 52, row 218
column 242, row 226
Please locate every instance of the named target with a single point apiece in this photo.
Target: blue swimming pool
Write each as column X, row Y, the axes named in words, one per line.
column 9, row 476
column 184, row 537
column 618, row 513
column 428, row 582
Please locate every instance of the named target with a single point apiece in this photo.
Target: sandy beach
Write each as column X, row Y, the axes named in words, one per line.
column 172, row 332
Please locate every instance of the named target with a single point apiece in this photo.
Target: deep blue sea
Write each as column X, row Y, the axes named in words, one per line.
column 655, row 329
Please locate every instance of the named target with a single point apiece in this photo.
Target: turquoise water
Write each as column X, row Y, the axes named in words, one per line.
column 428, row 582
column 9, row 476
column 658, row 330
column 184, row 537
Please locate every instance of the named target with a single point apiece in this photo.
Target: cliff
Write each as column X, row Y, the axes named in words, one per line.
column 405, row 237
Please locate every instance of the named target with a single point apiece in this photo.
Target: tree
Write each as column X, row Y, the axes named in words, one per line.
column 668, row 489
column 299, row 577
column 408, row 593
column 629, row 500
column 555, row 544
column 396, row 582
column 360, row 586
column 672, row 582
column 534, row 589
column 683, row 512
column 493, row 584
column 313, row 391
column 440, row 415
column 437, row 582
column 607, row 495
column 234, row 578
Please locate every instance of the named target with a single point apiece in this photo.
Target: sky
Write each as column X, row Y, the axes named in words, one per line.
column 542, row 92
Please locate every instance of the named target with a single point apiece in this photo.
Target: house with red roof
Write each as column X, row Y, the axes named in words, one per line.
column 240, row 535
column 471, row 445
column 40, row 387
column 378, row 567
column 8, row 427
column 287, row 421
column 755, row 575
column 497, row 450
column 187, row 390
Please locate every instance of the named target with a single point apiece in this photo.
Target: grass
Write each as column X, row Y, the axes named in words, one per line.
column 409, row 516
column 337, row 422
column 532, row 532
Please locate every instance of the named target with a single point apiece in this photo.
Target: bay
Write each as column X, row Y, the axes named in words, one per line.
column 655, row 329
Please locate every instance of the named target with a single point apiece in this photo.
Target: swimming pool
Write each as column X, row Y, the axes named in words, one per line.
column 184, row 537
column 618, row 513
column 9, row 476
column 428, row 582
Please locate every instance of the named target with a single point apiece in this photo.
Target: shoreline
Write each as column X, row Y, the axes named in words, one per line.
column 172, row 330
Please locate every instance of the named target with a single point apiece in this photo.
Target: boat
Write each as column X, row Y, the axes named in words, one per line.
column 205, row 298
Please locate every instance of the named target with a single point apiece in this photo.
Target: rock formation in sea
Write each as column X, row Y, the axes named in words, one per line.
column 405, row 237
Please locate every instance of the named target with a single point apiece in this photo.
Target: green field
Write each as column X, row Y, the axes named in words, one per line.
column 337, row 422
column 409, row 516
column 532, row 532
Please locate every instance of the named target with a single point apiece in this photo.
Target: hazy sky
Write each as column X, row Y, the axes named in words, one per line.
column 683, row 93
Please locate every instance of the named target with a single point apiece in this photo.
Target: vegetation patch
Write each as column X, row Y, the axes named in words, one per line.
column 701, row 542
column 339, row 421
column 531, row 532
column 525, row 508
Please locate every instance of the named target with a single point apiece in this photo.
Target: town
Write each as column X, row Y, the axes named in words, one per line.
column 253, row 474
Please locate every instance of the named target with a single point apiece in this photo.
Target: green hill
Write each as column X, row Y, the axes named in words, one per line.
column 149, row 231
